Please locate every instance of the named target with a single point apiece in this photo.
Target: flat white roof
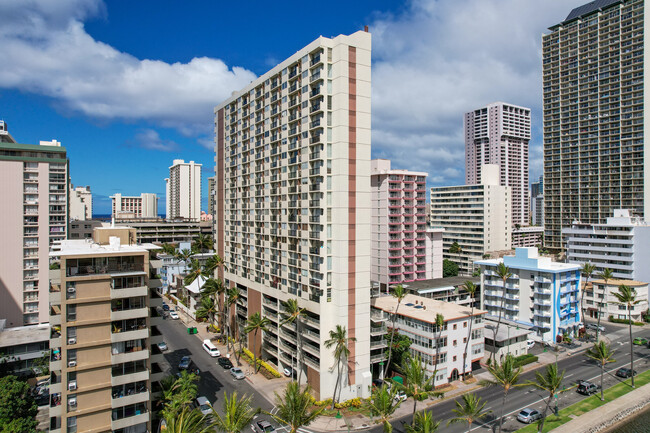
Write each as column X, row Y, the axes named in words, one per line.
column 425, row 309
column 76, row 247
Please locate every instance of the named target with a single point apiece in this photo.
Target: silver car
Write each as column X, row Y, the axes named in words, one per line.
column 237, row 373
column 204, row 405
column 528, row 415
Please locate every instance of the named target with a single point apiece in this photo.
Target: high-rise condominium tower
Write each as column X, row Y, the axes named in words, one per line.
column 499, row 134
column 293, row 206
column 184, row 190
column 34, row 197
column 594, row 129
column 144, row 206
column 81, row 203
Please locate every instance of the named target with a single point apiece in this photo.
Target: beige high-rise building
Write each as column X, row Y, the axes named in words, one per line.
column 211, row 194
column 499, row 134
column 476, row 217
column 81, row 203
column 34, row 197
column 104, row 357
column 293, row 206
column 183, row 188
column 143, row 207
column 595, row 86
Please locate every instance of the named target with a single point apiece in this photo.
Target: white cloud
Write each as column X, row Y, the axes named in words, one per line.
column 440, row 59
column 150, row 139
column 50, row 53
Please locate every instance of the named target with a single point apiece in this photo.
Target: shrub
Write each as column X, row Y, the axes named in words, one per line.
column 525, row 359
column 249, row 357
column 625, row 321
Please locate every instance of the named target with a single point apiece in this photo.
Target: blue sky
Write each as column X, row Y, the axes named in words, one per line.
column 129, row 86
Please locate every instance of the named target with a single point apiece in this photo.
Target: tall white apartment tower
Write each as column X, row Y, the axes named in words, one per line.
column 184, row 190
column 293, row 206
column 34, row 197
column 499, row 134
column 594, row 126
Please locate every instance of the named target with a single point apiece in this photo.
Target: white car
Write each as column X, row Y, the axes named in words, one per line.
column 174, row 315
column 595, row 327
column 237, row 373
column 400, row 396
column 204, row 405
column 211, row 348
column 530, row 344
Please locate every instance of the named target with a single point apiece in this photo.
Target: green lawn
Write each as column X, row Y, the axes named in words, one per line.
column 588, row 404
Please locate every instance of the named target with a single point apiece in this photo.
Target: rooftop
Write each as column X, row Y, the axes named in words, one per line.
column 24, row 334
column 439, row 284
column 85, row 247
column 528, row 258
column 589, row 8
column 615, row 282
column 426, row 308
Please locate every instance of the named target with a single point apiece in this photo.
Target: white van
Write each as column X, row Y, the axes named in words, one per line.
column 211, row 348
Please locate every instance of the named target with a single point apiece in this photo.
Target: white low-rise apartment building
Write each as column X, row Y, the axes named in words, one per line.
column 539, row 293
column 622, row 244
column 416, row 317
column 599, row 295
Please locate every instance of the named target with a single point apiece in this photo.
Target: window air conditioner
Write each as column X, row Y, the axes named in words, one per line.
column 72, row 385
column 72, row 340
column 72, row 363
column 72, row 402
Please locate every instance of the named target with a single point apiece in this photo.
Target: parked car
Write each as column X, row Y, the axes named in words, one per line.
column 640, row 341
column 528, row 415
column 162, row 346
column 587, row 388
column 400, row 396
column 174, row 315
column 595, row 327
column 209, row 347
column 288, row 371
column 264, row 427
column 237, row 373
column 530, row 344
column 204, row 405
column 185, row 363
column 165, row 307
column 224, row 363
column 625, row 372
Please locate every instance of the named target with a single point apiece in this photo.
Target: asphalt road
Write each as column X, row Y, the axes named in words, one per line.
column 214, row 380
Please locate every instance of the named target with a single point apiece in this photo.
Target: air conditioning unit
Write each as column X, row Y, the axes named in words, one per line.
column 72, row 402
column 72, row 340
column 72, row 385
column 71, row 289
column 72, row 363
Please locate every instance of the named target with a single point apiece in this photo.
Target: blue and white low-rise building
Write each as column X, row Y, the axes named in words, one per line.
column 541, row 294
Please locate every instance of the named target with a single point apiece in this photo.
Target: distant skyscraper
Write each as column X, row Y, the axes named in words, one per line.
column 81, row 203
column 594, row 124
column 34, row 197
column 144, row 206
column 184, row 190
column 499, row 134
column 537, row 202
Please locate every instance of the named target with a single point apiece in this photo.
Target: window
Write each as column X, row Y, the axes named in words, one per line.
column 464, row 340
column 464, row 324
column 455, row 326
column 454, row 358
column 455, row 343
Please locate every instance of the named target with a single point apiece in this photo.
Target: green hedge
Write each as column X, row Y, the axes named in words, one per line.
column 525, row 359
column 625, row 321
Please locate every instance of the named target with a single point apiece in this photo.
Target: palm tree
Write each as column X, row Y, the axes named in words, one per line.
column 626, row 295
column 504, row 273
column 417, row 384
column 423, row 422
column 602, row 354
column 255, row 324
column 294, row 314
column 470, row 288
column 203, row 242
column 440, row 324
column 398, row 293
column 506, row 375
column 237, row 414
column 194, row 272
column 339, row 341
column 587, row 270
column 169, row 249
column 605, row 275
column 184, row 255
column 178, row 393
column 207, row 309
column 550, row 381
column 382, row 405
column 233, row 296
column 469, row 411
column 188, row 421
column 212, row 263
column 293, row 407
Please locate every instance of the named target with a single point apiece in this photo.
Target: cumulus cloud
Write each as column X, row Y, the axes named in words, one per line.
column 150, row 139
column 440, row 59
column 50, row 53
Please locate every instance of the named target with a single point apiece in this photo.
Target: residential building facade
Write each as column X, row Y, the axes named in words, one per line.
column 22, row 349
column 34, row 197
column 530, row 236
column 81, row 203
column 293, row 205
column 537, row 202
column 539, row 293
column 183, row 188
column 594, row 125
column 416, row 319
column 399, row 227
column 133, row 207
column 600, row 300
column 621, row 244
column 104, row 357
column 211, row 195
column 499, row 134
column 477, row 217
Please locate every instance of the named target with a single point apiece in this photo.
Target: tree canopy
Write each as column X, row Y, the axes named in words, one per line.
column 17, row 406
column 449, row 268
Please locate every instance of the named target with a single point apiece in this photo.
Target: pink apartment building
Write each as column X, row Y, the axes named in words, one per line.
column 34, row 197
column 404, row 249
